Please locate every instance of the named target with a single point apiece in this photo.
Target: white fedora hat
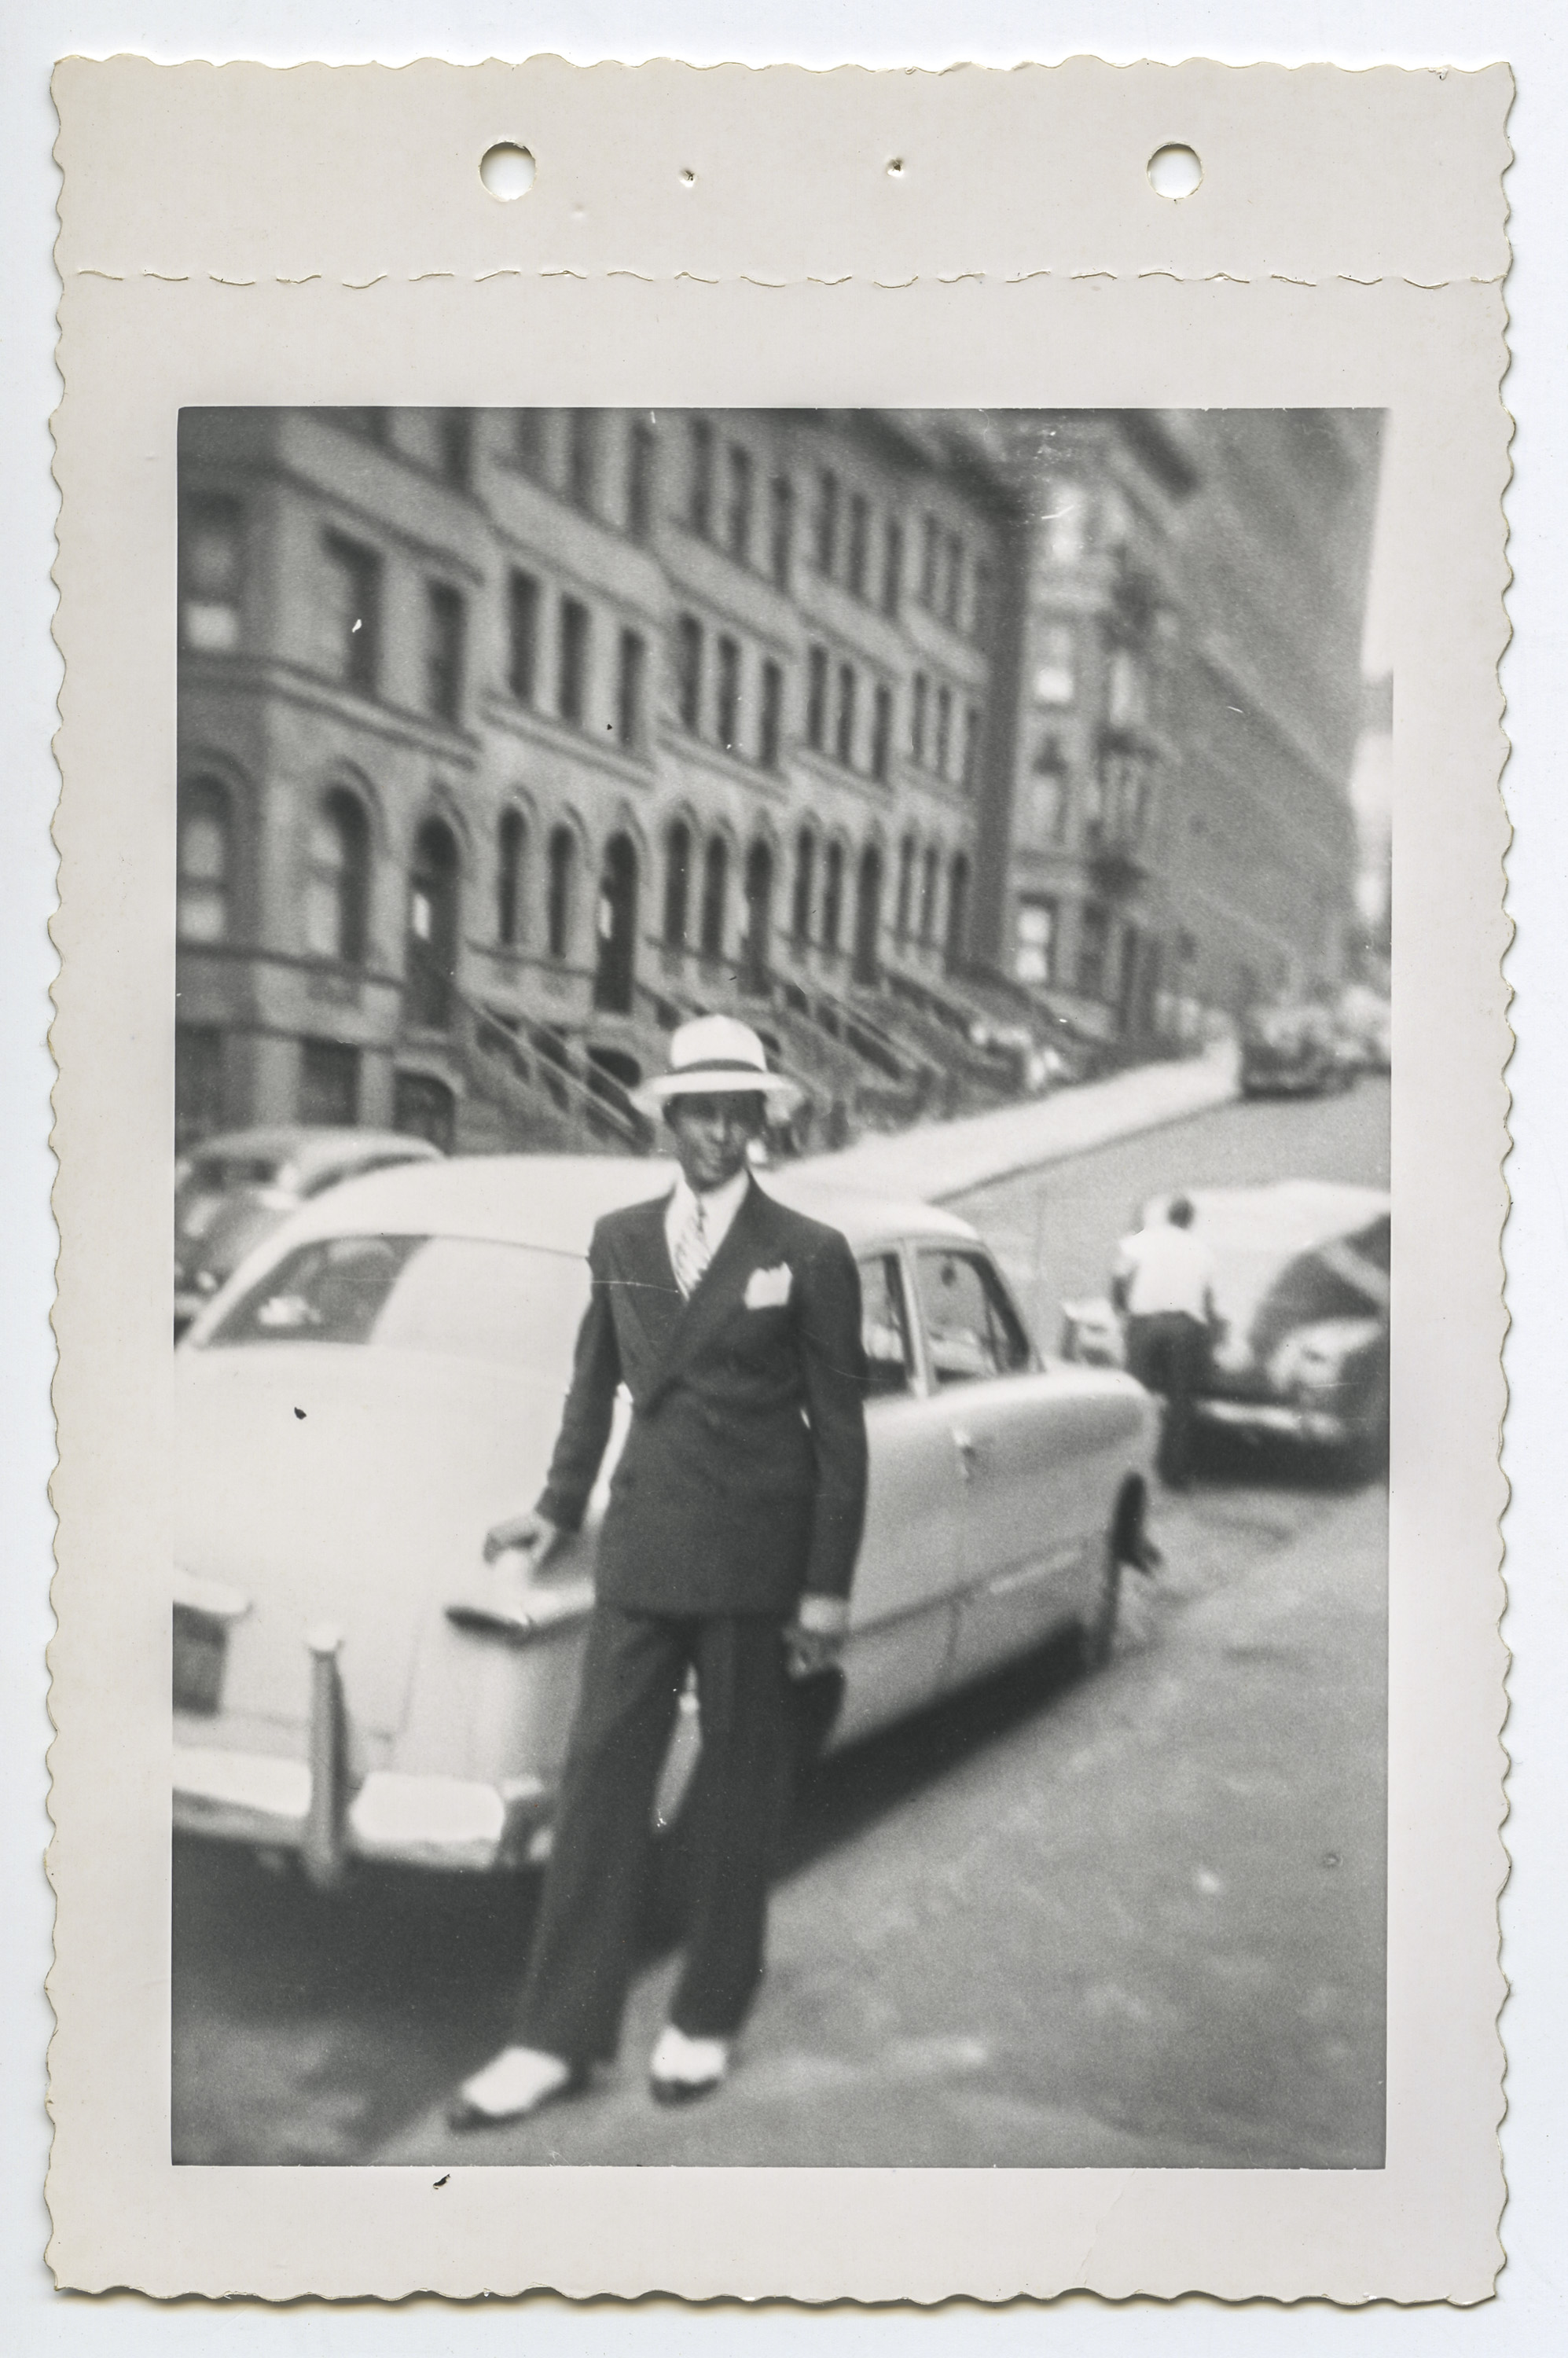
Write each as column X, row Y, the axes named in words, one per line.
column 715, row 1055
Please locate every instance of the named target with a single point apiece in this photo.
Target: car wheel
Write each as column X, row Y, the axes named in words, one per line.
column 1097, row 1635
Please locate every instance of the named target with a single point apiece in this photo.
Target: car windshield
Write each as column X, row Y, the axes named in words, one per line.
column 462, row 1296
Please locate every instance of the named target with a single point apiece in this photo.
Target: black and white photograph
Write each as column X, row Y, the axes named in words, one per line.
column 780, row 1288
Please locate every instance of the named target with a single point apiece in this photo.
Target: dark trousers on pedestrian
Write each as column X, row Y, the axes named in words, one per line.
column 585, row 1947
column 1165, row 1352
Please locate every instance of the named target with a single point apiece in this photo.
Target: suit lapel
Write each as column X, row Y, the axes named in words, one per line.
column 653, row 1295
column 722, row 1284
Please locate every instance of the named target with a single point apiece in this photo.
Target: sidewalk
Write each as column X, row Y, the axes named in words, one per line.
column 939, row 1159
column 1142, row 1927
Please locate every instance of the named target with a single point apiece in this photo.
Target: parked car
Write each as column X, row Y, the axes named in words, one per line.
column 1302, row 1298
column 382, row 1380
column 231, row 1192
column 1295, row 1051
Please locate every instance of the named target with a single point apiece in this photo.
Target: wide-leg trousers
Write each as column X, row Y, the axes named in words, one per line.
column 585, row 1945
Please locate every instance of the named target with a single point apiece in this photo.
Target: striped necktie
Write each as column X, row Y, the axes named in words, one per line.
column 693, row 1252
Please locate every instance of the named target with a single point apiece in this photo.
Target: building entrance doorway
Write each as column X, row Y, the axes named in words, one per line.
column 433, row 927
column 616, row 966
column 755, row 950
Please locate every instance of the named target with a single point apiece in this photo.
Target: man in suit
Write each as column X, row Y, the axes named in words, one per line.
column 727, row 1547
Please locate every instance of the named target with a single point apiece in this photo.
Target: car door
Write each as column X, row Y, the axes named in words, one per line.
column 907, row 1575
column 1032, row 1453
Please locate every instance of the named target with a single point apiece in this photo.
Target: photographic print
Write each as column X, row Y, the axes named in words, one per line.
column 780, row 1117
column 1016, row 781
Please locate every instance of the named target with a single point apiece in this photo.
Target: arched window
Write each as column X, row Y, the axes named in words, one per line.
column 562, row 865
column 832, row 897
column 205, row 882
column 678, row 884
column 337, row 880
column 433, row 926
column 512, row 845
column 715, row 892
column 868, row 915
column 907, row 855
column 957, row 908
column 928, row 893
column 805, row 887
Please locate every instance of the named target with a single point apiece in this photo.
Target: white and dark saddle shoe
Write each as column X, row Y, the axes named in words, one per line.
column 514, row 2084
column 681, row 2069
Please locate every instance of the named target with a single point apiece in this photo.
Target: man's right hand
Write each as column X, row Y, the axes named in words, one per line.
column 535, row 1533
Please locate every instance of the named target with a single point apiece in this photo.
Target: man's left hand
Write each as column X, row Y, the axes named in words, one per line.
column 815, row 1640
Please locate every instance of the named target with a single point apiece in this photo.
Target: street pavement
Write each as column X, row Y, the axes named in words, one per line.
column 1139, row 1926
column 1131, row 1920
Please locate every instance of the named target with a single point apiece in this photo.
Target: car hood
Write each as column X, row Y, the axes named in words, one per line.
column 350, row 1487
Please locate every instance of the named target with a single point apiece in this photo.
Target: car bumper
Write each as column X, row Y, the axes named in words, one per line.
column 1301, row 1422
column 449, row 1823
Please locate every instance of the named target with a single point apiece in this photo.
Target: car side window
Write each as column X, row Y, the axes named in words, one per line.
column 971, row 1329
column 884, row 1326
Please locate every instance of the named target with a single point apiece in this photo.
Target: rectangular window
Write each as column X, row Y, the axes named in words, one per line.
column 738, row 505
column 688, row 671
column 816, row 699
column 1094, row 940
column 944, row 729
column 699, row 492
column 971, row 770
column 844, row 728
column 1126, row 703
column 781, row 529
column 917, row 704
column 352, row 619
column 528, row 439
column 443, row 650
column 454, row 445
column 727, row 714
column 892, row 567
column 210, row 555
column 882, row 733
column 571, row 681
column 640, row 445
column 1048, row 794
column 930, row 557
column 825, row 550
column 523, row 636
column 633, row 665
column 953, row 579
column 859, row 544
column 772, row 715
column 582, row 457
column 1056, row 671
column 329, row 1084
column 1035, row 941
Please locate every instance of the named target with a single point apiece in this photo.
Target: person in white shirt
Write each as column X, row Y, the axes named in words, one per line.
column 1164, row 1284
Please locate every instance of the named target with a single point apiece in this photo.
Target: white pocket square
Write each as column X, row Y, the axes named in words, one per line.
column 768, row 1289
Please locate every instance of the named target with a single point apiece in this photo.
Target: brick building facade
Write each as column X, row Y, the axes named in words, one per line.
column 507, row 739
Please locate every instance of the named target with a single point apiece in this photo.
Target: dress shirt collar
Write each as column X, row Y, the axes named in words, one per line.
column 719, row 1205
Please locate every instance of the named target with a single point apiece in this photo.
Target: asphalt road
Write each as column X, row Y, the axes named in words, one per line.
column 1135, row 1919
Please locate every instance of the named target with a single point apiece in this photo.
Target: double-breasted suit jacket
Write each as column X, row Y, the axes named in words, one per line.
column 743, row 1478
